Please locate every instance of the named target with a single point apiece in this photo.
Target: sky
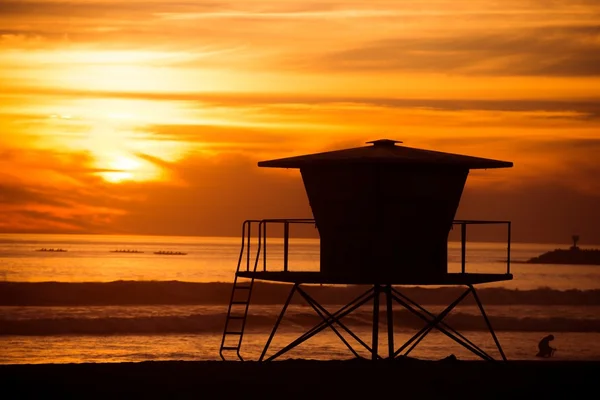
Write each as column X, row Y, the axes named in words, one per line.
column 149, row 117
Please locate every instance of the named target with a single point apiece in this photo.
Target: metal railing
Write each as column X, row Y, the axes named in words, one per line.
column 463, row 239
column 261, row 244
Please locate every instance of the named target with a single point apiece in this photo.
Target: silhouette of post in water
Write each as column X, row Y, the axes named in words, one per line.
column 383, row 213
column 575, row 240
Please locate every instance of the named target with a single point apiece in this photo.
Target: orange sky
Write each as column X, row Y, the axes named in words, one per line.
column 150, row 116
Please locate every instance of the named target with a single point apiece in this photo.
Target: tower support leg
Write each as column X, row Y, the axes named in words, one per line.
column 316, row 306
column 390, row 320
column 334, row 318
column 431, row 322
column 279, row 318
column 375, row 336
column 322, row 313
column 391, row 294
column 487, row 321
column 438, row 323
column 427, row 329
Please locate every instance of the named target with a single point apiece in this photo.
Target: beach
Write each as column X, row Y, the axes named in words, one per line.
column 304, row 379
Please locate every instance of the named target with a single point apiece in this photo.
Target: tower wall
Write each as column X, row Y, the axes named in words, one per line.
column 379, row 220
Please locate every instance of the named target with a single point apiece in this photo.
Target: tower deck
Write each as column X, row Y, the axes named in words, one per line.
column 315, row 277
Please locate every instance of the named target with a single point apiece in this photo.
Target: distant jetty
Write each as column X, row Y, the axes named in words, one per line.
column 573, row 255
column 170, row 253
column 52, row 250
column 570, row 256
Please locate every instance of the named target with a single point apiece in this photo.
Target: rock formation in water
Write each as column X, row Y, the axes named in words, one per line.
column 574, row 255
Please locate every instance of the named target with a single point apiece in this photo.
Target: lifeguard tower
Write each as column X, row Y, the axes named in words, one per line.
column 384, row 213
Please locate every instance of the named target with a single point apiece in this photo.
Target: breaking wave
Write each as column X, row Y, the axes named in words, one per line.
column 191, row 293
column 213, row 323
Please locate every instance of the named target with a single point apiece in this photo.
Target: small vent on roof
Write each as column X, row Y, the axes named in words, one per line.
column 385, row 142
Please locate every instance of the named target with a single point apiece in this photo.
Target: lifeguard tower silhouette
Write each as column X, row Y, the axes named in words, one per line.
column 384, row 214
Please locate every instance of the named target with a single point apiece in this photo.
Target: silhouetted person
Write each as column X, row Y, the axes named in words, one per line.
column 544, row 347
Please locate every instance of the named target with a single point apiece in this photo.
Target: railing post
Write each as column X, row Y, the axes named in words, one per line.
column 375, row 333
column 463, row 240
column 265, row 246
column 286, row 237
column 508, row 249
column 248, row 246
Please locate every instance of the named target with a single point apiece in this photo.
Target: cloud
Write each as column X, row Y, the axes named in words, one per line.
column 544, row 51
column 254, row 118
column 18, row 195
column 222, row 138
column 214, row 193
column 390, row 31
column 220, row 192
column 48, row 208
column 541, row 211
column 109, row 9
column 46, row 190
column 589, row 107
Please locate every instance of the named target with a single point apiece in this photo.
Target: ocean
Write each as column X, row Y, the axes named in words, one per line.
column 90, row 303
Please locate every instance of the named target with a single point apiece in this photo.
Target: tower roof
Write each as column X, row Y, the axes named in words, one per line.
column 386, row 151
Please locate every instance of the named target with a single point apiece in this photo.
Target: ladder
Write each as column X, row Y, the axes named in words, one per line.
column 241, row 292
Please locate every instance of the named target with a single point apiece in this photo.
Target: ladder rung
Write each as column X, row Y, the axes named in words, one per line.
column 240, row 302
column 230, row 348
column 235, row 317
column 234, row 333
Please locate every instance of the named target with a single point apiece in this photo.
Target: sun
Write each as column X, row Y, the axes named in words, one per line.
column 118, row 138
column 122, row 168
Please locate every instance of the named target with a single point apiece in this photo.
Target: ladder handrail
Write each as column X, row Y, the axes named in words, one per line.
column 233, row 290
column 246, row 230
column 251, row 284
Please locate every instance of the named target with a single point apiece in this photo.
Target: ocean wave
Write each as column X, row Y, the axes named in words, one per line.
column 214, row 323
column 193, row 293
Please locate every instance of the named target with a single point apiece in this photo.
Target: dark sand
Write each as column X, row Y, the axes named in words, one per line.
column 304, row 379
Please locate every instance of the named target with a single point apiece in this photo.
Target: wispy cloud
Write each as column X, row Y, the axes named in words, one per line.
column 506, row 52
